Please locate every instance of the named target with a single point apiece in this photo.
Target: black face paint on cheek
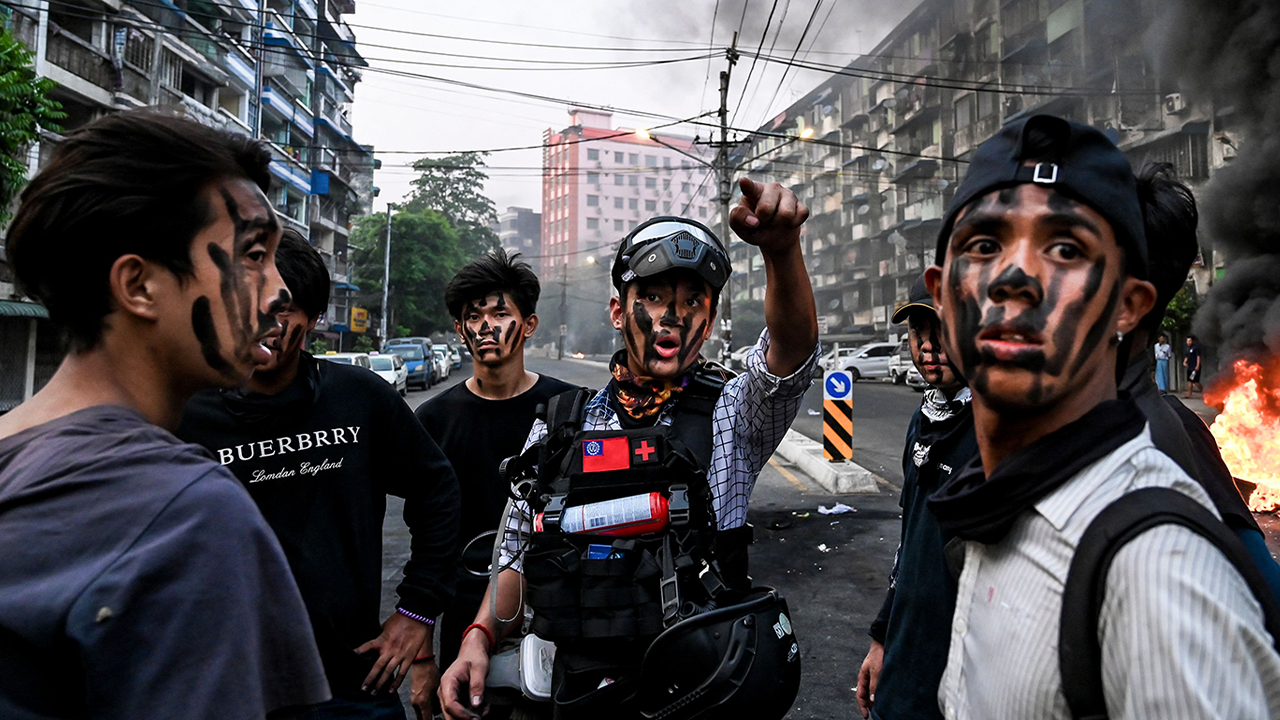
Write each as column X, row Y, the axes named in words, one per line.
column 1099, row 328
column 686, row 347
column 644, row 323
column 1064, row 335
column 207, row 334
column 268, row 320
column 514, row 332
column 967, row 318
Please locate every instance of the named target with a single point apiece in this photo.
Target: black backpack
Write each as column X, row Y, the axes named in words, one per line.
column 1079, row 651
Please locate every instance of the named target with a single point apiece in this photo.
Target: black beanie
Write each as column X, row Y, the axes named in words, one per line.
column 1079, row 162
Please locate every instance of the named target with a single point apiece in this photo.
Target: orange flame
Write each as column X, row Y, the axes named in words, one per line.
column 1248, row 432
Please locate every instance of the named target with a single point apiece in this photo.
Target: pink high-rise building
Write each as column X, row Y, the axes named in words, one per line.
column 599, row 182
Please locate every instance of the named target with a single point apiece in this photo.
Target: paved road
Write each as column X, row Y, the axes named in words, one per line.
column 834, row 592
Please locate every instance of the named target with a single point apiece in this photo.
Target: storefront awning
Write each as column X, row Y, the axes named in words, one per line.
column 14, row 308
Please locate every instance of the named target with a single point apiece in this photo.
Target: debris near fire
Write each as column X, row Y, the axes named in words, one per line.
column 1248, row 429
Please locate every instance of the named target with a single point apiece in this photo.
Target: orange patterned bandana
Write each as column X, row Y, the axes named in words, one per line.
column 642, row 397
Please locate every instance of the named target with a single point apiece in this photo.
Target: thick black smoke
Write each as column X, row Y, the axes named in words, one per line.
column 1228, row 51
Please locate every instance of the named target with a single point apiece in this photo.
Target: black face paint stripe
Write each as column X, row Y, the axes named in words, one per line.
column 207, row 334
column 686, row 347
column 1098, row 330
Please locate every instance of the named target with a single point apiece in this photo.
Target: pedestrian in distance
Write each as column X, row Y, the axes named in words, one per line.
column 900, row 675
column 1163, row 352
column 1041, row 275
column 1193, row 362
column 320, row 446
column 642, row 623
column 482, row 421
column 137, row 578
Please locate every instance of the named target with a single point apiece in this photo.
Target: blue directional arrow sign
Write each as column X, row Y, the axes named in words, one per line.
column 838, row 385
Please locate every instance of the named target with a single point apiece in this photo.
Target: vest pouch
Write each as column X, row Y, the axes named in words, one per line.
column 621, row 595
column 577, row 594
column 552, row 571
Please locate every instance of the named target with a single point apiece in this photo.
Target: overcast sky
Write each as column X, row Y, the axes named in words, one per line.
column 415, row 115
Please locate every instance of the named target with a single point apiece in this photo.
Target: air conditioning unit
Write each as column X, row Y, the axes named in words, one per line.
column 1174, row 103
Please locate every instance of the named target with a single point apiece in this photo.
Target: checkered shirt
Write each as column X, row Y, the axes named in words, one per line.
column 749, row 421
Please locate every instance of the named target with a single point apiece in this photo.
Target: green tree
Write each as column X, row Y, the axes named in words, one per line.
column 25, row 108
column 1182, row 308
column 362, row 344
column 424, row 257
column 318, row 347
column 453, row 185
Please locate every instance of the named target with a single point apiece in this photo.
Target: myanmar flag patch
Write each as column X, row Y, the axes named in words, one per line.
column 604, row 454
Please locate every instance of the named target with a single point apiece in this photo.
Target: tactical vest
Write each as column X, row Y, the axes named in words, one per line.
column 587, row 587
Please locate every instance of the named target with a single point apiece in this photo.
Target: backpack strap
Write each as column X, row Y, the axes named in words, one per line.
column 691, row 417
column 1079, row 650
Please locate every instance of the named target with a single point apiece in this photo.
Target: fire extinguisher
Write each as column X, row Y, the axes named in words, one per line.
column 623, row 517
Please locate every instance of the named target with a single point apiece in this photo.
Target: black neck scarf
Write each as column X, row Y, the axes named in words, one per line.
column 265, row 412
column 975, row 506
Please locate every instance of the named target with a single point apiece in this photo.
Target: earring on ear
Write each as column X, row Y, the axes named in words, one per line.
column 1119, row 337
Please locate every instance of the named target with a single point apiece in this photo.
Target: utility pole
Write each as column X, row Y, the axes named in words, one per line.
column 386, row 283
column 564, row 304
column 257, row 74
column 725, row 183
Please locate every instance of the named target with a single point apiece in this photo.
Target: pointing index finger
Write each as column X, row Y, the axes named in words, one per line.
column 750, row 189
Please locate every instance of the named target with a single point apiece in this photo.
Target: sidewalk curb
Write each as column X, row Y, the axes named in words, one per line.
column 840, row 478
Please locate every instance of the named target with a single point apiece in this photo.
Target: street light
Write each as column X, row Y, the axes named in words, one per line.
column 806, row 133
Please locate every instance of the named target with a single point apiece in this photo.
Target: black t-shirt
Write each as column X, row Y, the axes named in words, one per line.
column 477, row 435
column 137, row 580
column 320, row 459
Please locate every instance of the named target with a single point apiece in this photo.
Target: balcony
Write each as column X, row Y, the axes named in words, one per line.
column 81, row 59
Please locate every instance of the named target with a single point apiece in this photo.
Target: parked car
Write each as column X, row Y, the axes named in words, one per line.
column 351, row 358
column 900, row 363
column 409, row 341
column 390, row 367
column 869, row 361
column 417, row 362
column 915, row 379
column 442, row 363
column 456, row 355
column 832, row 359
column 738, row 358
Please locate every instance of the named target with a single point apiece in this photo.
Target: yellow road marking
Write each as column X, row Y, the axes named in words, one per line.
column 790, row 476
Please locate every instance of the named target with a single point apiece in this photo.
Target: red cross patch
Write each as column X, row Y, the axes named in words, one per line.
column 644, row 451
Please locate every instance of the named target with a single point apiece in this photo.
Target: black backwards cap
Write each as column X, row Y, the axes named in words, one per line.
column 1079, row 162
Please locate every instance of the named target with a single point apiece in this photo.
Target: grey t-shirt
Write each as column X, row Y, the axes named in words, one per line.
column 139, row 580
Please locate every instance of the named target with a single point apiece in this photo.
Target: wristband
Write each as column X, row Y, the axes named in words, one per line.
column 483, row 629
column 414, row 616
column 423, row 658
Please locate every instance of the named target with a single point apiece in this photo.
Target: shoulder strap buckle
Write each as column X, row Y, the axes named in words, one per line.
column 678, row 506
column 552, row 513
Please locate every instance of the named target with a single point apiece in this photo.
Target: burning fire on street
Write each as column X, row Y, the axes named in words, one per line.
column 1248, row 430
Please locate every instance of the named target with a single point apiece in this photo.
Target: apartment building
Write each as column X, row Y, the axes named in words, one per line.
column 877, row 149
column 519, row 230
column 286, row 75
column 599, row 182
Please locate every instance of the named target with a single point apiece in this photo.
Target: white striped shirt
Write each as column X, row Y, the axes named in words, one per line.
column 752, row 415
column 1182, row 636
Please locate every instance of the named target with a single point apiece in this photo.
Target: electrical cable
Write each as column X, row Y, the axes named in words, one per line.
column 702, row 99
column 754, row 58
column 791, row 63
column 813, row 41
column 777, row 34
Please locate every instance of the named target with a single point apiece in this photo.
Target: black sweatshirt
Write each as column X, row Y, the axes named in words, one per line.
column 319, row 459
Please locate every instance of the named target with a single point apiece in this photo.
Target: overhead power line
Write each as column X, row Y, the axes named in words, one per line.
column 759, row 47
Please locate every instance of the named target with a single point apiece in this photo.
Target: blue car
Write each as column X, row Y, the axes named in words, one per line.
column 416, row 361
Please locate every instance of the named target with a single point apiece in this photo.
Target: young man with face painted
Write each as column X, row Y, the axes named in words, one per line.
column 320, row 446
column 909, row 638
column 137, row 579
column 1041, row 271
column 482, row 421
column 665, row 311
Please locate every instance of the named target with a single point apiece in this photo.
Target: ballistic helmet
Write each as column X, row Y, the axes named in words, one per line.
column 671, row 243
column 739, row 661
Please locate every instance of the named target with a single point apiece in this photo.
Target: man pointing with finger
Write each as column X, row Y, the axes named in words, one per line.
column 700, row 438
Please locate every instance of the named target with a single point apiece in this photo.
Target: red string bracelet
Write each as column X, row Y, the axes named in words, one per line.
column 424, row 658
column 483, row 629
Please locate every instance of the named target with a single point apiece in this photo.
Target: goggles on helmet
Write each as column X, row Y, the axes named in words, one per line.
column 671, row 243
